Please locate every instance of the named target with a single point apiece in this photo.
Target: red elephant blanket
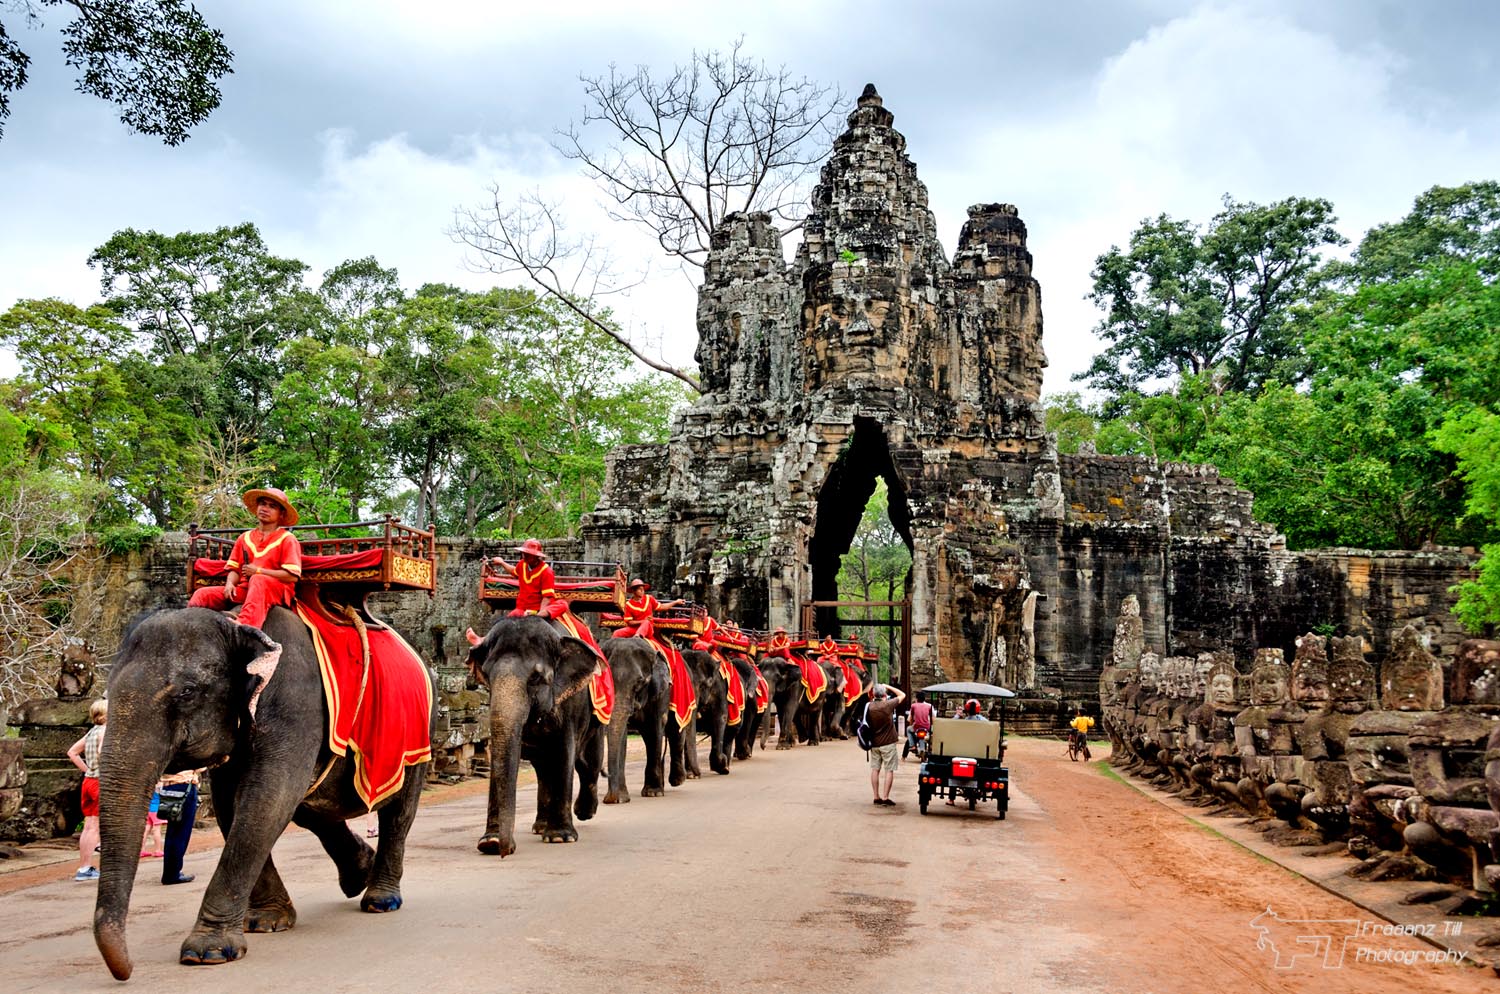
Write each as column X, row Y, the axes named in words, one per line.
column 380, row 715
column 814, row 680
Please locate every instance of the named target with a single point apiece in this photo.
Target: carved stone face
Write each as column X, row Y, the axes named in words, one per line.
column 1351, row 680
column 1310, row 671
column 1150, row 671
column 1412, row 677
column 1476, row 672
column 1269, row 679
column 1184, row 677
column 1201, row 670
column 1221, row 688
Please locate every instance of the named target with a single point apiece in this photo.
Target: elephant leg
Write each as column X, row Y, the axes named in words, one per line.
column 653, row 731
column 351, row 854
column 787, row 716
column 270, row 905
column 559, row 827
column 615, row 735
column 690, row 748
column 545, row 783
column 675, row 747
column 383, row 893
column 254, row 804
column 590, row 761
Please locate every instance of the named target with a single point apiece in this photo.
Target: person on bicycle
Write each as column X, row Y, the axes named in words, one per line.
column 1078, row 732
column 919, row 717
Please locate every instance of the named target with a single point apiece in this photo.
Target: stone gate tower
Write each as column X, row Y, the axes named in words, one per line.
column 872, row 355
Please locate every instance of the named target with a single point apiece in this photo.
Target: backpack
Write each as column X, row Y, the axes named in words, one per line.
column 862, row 733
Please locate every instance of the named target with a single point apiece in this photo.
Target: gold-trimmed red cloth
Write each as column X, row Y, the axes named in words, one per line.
column 814, row 680
column 735, row 693
column 853, row 685
column 762, row 691
column 381, row 719
column 602, row 686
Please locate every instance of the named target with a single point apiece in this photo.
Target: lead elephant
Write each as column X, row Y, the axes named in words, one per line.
column 179, row 699
column 541, row 710
column 642, row 694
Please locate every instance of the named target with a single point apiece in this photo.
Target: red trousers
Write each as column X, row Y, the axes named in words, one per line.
column 259, row 594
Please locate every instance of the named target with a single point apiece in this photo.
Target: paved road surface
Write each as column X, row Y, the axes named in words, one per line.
column 780, row 877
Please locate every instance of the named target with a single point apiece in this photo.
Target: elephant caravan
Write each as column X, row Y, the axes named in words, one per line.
column 1399, row 763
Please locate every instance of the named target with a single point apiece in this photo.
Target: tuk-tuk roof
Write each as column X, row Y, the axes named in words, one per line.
column 969, row 689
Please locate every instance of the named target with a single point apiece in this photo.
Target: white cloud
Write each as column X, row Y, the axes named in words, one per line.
column 1219, row 100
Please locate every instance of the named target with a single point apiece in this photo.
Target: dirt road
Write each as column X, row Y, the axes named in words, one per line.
column 780, row 877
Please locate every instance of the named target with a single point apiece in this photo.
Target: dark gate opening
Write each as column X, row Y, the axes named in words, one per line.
column 851, row 482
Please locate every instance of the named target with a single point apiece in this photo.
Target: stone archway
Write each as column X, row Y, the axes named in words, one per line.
column 846, row 491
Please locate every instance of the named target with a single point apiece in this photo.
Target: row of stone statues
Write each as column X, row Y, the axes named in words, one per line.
column 1402, row 764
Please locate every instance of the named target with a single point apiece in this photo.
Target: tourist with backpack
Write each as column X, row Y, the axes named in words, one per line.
column 880, row 717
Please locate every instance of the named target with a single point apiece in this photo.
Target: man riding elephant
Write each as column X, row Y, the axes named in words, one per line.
column 536, row 593
column 262, row 570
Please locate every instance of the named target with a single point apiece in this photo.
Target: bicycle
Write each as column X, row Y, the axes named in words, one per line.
column 1078, row 745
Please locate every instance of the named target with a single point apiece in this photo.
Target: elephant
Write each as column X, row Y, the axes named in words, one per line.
column 712, row 714
column 745, row 732
column 541, row 710
column 642, row 695
column 180, row 696
column 784, row 678
column 833, row 702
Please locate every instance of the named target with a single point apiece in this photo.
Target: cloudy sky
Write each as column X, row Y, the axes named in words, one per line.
column 356, row 127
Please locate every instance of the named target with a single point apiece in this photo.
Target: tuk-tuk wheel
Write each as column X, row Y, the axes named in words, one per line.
column 1000, row 814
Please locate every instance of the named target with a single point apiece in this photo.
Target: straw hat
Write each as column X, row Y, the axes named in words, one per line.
column 290, row 512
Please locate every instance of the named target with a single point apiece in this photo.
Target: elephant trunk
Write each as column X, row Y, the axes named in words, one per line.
column 615, row 743
column 510, row 707
column 127, row 776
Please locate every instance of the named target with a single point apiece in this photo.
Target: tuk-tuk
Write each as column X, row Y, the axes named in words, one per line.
column 966, row 758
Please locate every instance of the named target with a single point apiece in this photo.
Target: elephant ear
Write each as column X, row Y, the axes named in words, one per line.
column 248, row 648
column 479, row 653
column 576, row 662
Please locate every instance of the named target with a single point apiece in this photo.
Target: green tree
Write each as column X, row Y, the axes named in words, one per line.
column 158, row 61
column 1446, row 224
column 213, row 309
column 1473, row 436
column 875, row 569
column 1185, row 302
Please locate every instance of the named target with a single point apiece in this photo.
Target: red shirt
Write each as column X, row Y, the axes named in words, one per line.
column 533, row 585
column 920, row 715
column 279, row 550
column 638, row 611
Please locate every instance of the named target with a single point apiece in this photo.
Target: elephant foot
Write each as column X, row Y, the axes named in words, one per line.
column 741, row 755
column 585, row 807
column 783, row 745
column 377, row 904
column 565, row 834
column 355, row 877
column 205, row 947
column 273, row 918
column 694, row 775
column 493, row 845
column 622, row 797
column 676, row 779
column 651, row 792
column 538, row 827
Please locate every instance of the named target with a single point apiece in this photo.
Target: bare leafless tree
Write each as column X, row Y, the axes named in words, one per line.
column 530, row 237
column 38, row 511
column 722, row 133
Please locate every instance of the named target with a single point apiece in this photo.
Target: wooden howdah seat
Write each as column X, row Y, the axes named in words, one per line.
column 355, row 557
column 963, row 737
column 687, row 621
column 587, row 587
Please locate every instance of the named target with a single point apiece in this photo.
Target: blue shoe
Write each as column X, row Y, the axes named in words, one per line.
column 87, row 873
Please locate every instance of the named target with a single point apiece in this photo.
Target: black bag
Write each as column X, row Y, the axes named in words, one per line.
column 862, row 734
column 172, row 801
